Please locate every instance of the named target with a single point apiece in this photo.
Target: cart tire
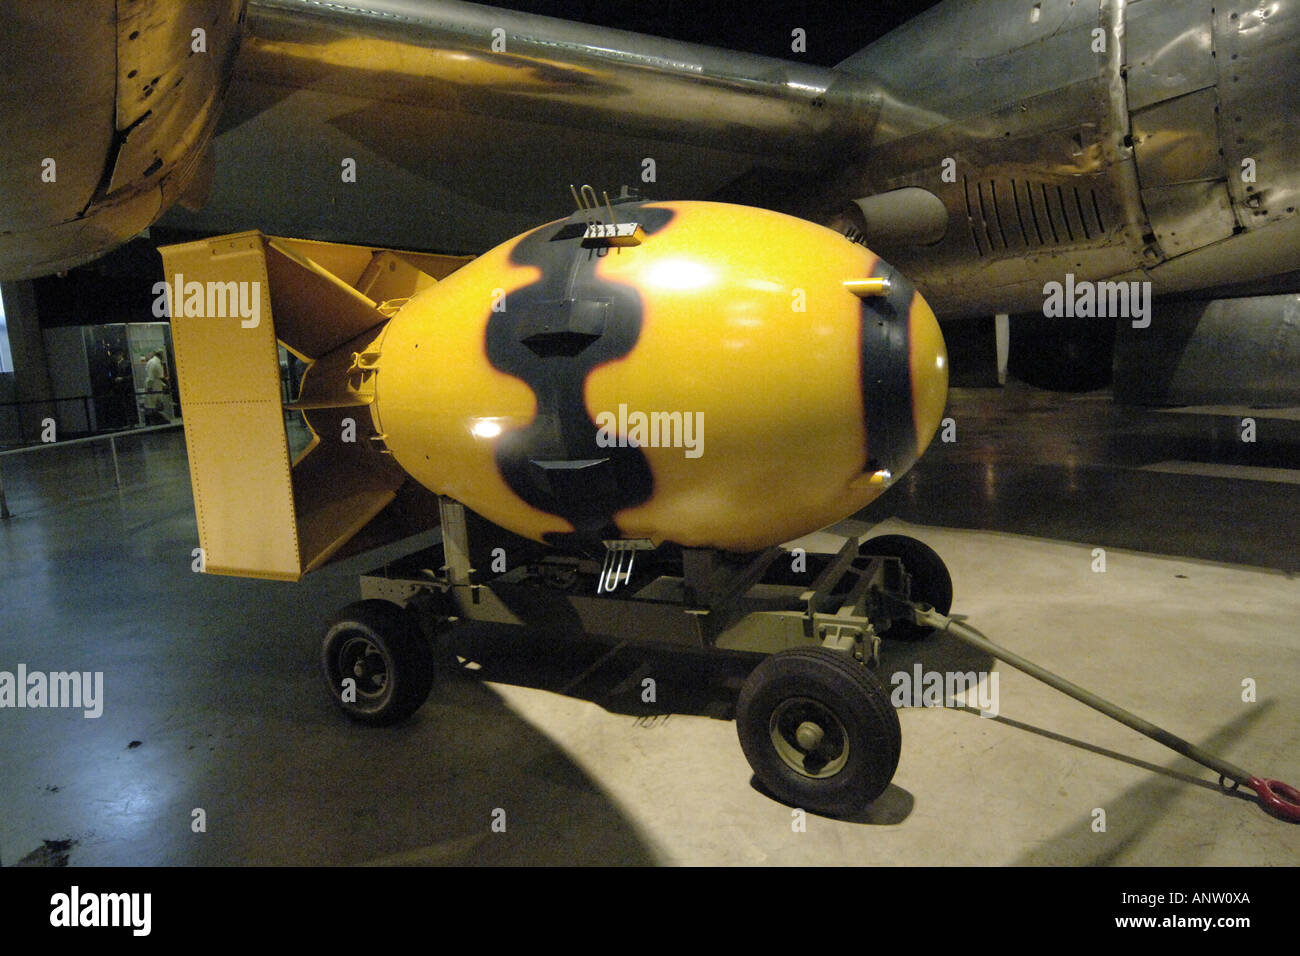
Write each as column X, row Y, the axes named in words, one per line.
column 376, row 645
column 931, row 582
column 818, row 730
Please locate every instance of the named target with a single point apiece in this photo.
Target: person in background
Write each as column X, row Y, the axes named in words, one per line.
column 156, row 386
column 123, row 390
column 101, row 382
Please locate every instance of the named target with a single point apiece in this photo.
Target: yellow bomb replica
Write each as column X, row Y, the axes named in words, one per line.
column 706, row 374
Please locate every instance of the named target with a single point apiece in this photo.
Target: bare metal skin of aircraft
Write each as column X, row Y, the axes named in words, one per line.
column 1140, row 141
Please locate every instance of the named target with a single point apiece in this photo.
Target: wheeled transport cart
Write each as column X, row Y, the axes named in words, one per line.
column 815, row 723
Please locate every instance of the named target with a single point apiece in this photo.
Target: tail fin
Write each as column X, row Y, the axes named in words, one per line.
column 233, row 300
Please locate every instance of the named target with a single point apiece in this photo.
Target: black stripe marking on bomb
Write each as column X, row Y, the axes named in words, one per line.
column 886, row 376
column 551, row 335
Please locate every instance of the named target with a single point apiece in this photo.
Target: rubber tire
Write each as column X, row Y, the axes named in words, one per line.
column 931, row 581
column 857, row 699
column 407, row 655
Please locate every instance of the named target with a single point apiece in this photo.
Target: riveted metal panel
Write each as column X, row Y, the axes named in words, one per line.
column 1170, row 50
column 229, row 378
column 1259, row 97
column 168, row 90
column 1187, row 216
column 1027, row 108
column 1177, row 141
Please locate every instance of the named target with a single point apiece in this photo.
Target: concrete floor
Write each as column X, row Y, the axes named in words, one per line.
column 216, row 679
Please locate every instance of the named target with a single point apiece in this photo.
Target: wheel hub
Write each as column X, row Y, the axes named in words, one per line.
column 809, row 738
column 809, row 735
column 364, row 661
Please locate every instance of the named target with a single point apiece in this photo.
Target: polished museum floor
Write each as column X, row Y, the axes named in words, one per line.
column 212, row 699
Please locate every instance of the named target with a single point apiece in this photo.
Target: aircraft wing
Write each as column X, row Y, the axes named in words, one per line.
column 453, row 126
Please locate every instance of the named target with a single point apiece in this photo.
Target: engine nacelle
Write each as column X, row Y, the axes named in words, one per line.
column 105, row 121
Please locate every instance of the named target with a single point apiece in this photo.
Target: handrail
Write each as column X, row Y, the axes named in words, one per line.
column 85, row 401
column 106, row 436
column 110, row 437
column 73, row 398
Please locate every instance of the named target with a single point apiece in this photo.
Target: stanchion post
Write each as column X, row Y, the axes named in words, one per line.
column 117, row 475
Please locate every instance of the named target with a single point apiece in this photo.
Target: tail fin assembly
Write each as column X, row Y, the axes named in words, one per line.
column 233, row 299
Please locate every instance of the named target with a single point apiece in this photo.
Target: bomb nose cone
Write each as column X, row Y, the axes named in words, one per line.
column 928, row 362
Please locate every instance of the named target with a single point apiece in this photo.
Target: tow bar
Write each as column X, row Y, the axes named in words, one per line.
column 1281, row 799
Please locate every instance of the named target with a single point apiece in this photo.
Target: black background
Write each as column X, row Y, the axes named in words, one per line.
column 834, row 30
column 580, row 912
